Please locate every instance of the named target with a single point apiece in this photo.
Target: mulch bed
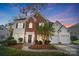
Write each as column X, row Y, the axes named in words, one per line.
column 17, row 46
column 41, row 47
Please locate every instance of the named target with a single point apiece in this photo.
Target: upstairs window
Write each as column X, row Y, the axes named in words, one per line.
column 19, row 25
column 30, row 25
column 41, row 24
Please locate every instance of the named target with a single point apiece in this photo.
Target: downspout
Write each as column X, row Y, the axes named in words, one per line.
column 24, row 33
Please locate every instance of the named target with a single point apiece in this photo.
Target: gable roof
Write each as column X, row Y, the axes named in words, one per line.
column 61, row 26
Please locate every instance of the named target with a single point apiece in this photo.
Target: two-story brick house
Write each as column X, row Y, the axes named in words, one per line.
column 26, row 28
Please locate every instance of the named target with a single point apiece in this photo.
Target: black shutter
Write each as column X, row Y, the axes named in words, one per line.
column 23, row 25
column 16, row 25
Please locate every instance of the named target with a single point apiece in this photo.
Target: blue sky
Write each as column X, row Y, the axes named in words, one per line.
column 65, row 13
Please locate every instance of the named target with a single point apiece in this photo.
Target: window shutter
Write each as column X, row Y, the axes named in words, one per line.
column 16, row 25
column 23, row 25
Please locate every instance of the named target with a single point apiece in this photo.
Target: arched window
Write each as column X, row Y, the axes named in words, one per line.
column 30, row 25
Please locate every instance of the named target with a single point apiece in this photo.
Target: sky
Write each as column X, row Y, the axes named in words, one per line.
column 67, row 14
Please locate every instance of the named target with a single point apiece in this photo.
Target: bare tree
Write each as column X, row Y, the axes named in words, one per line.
column 31, row 6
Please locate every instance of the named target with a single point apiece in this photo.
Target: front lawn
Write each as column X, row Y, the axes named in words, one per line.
column 4, row 51
column 75, row 42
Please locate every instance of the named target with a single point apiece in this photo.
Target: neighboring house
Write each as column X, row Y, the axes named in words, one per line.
column 4, row 33
column 26, row 28
column 74, row 30
column 9, row 27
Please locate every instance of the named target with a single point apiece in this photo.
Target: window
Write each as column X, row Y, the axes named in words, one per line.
column 30, row 25
column 41, row 24
column 19, row 25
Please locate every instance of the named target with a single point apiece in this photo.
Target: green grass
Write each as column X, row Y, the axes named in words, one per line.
column 76, row 42
column 4, row 51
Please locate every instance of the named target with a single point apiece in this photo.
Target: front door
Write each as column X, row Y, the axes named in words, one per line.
column 29, row 38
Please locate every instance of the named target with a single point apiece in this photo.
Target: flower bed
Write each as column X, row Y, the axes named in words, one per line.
column 42, row 47
column 17, row 46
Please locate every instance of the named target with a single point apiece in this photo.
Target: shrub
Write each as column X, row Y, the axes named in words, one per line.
column 36, row 41
column 10, row 38
column 46, row 42
column 11, row 42
column 40, row 42
column 20, row 39
column 74, row 38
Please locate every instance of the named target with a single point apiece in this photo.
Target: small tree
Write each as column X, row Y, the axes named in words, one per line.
column 45, row 31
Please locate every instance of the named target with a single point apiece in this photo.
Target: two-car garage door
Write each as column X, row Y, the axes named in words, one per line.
column 62, row 38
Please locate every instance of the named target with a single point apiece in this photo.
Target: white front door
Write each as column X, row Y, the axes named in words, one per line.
column 29, row 37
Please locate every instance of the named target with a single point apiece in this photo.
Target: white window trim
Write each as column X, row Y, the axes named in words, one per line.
column 30, row 25
column 20, row 25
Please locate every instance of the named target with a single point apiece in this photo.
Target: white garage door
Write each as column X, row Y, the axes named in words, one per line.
column 64, row 39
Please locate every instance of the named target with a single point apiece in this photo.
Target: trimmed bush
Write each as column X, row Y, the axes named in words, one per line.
column 73, row 38
column 40, row 42
column 11, row 42
column 36, row 41
column 47, row 42
column 20, row 39
column 10, row 38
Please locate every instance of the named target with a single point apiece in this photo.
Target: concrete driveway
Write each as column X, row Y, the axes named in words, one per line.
column 69, row 49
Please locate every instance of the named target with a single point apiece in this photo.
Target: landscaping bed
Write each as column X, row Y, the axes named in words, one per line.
column 42, row 47
column 17, row 46
column 4, row 51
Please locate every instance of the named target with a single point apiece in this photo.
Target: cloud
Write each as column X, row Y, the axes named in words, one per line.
column 63, row 13
column 71, row 20
column 61, row 16
column 68, row 25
